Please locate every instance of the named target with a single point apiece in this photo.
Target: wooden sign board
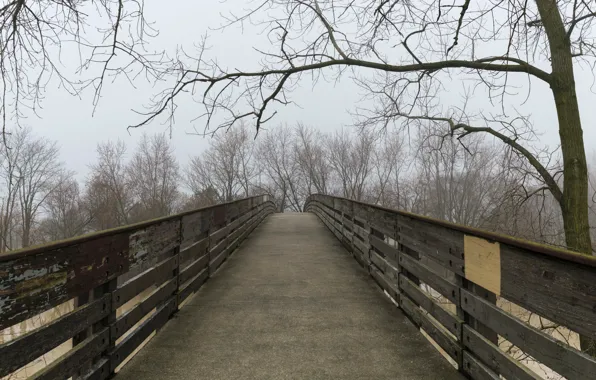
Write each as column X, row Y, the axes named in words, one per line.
column 483, row 263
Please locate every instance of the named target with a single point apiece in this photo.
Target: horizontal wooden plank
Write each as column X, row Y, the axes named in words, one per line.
column 147, row 246
column 441, row 337
column 195, row 227
column 216, row 236
column 384, row 283
column 429, row 277
column 26, row 348
column 476, row 370
column 157, row 275
column 217, row 261
column 215, row 250
column 563, row 359
column 132, row 341
column 193, row 285
column 193, row 268
column 451, row 262
column 237, row 232
column 385, row 249
column 494, row 357
column 36, row 283
column 360, row 231
column 563, row 292
column 99, row 371
column 251, row 225
column 361, row 246
column 218, row 219
column 347, row 223
column 132, row 316
column 362, row 259
column 383, row 221
column 443, row 244
column 194, row 251
column 449, row 321
column 69, row 363
column 390, row 271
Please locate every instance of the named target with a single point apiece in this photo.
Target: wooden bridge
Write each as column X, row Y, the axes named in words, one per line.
column 153, row 300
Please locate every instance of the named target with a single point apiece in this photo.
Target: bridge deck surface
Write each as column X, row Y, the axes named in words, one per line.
column 289, row 304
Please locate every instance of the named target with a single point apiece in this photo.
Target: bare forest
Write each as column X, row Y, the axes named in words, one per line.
column 479, row 184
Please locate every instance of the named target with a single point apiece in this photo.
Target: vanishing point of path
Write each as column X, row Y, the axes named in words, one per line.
column 291, row 303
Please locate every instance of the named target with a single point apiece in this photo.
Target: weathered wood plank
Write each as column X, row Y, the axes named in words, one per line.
column 132, row 316
column 386, row 268
column 384, row 283
column 561, row 291
column 193, row 285
column 193, row 268
column 387, row 250
column 195, row 227
column 99, row 371
column 451, row 322
column 565, row 360
column 362, row 258
column 427, row 276
column 362, row 232
column 156, row 275
column 218, row 216
column 26, row 348
column 215, row 250
column 216, row 261
column 36, row 283
column 131, row 342
column 440, row 242
column 236, row 233
column 476, row 370
column 194, row 251
column 443, row 339
column 494, row 357
column 68, row 364
column 347, row 223
column 216, row 236
column 448, row 261
column 148, row 245
column 361, row 246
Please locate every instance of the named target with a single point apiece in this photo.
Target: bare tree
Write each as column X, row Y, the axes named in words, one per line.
column 38, row 171
column 456, row 183
column 314, row 35
column 277, row 159
column 389, row 163
column 108, row 194
column 351, row 160
column 11, row 182
column 226, row 166
column 312, row 159
column 34, row 34
column 66, row 214
column 153, row 175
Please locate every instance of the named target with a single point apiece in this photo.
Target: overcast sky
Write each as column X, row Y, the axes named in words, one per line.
column 69, row 120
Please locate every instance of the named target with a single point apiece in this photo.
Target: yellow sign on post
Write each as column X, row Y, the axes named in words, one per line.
column 483, row 263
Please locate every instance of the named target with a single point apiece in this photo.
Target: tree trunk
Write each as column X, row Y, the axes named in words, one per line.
column 574, row 206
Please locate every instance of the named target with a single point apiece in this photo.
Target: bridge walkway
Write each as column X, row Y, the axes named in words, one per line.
column 291, row 303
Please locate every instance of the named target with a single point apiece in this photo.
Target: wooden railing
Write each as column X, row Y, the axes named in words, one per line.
column 123, row 284
column 467, row 289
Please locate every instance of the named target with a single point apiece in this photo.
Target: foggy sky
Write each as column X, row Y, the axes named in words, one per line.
column 69, row 119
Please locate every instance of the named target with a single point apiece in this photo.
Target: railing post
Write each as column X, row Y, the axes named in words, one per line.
column 469, row 320
column 104, row 370
column 80, row 337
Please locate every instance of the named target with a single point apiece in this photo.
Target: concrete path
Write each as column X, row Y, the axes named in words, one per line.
column 291, row 303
